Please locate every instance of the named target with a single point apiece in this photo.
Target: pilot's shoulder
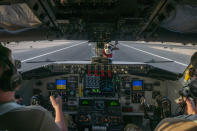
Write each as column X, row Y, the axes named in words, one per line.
column 36, row 108
column 48, row 122
column 180, row 123
column 32, row 108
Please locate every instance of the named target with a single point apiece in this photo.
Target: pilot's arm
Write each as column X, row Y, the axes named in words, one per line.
column 181, row 123
column 191, row 109
column 46, row 121
column 59, row 116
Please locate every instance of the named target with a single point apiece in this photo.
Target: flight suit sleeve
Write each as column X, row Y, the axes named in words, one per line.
column 48, row 123
column 176, row 124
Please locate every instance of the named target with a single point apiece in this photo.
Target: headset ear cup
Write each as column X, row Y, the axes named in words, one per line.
column 5, row 81
column 16, row 80
column 193, row 88
column 9, row 82
column 11, row 78
column 185, row 91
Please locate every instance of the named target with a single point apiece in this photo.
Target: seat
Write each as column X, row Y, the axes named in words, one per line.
column 22, row 119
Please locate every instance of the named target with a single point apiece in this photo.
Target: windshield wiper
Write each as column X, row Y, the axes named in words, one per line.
column 154, row 61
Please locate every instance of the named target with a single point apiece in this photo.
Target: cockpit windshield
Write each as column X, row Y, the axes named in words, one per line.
column 169, row 56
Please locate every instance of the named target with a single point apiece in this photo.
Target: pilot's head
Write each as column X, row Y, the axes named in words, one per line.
column 9, row 77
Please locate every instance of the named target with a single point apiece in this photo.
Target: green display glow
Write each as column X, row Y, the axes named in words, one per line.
column 113, row 103
column 95, row 90
column 117, row 80
column 85, row 102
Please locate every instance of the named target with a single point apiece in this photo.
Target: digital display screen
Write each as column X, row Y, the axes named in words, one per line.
column 108, row 86
column 148, row 87
column 95, row 90
column 61, row 84
column 85, row 102
column 108, row 90
column 113, row 103
column 137, row 85
column 51, row 86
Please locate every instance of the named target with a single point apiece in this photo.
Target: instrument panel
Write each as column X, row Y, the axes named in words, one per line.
column 97, row 101
column 101, row 96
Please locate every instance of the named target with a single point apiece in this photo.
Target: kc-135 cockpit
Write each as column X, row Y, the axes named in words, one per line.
column 103, row 97
column 113, row 90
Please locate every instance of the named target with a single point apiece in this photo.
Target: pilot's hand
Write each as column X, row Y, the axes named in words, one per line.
column 56, row 102
column 190, row 108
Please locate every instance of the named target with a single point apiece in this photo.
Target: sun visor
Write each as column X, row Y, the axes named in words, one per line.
column 183, row 19
column 17, row 17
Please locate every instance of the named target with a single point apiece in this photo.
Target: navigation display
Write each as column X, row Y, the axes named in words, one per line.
column 85, row 102
column 113, row 103
column 137, row 85
column 61, row 84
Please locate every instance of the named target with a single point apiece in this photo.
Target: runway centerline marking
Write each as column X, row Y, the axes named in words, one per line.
column 52, row 52
column 154, row 55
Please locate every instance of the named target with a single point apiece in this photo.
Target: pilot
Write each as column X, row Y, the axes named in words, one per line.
column 185, row 122
column 15, row 117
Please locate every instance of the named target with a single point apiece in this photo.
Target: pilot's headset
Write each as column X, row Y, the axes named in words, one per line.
column 190, row 90
column 11, row 78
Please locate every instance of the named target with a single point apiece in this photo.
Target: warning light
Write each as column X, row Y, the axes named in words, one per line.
column 109, row 73
column 96, row 73
column 102, row 73
column 89, row 72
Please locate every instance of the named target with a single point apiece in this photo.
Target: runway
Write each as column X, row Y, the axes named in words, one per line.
column 83, row 51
